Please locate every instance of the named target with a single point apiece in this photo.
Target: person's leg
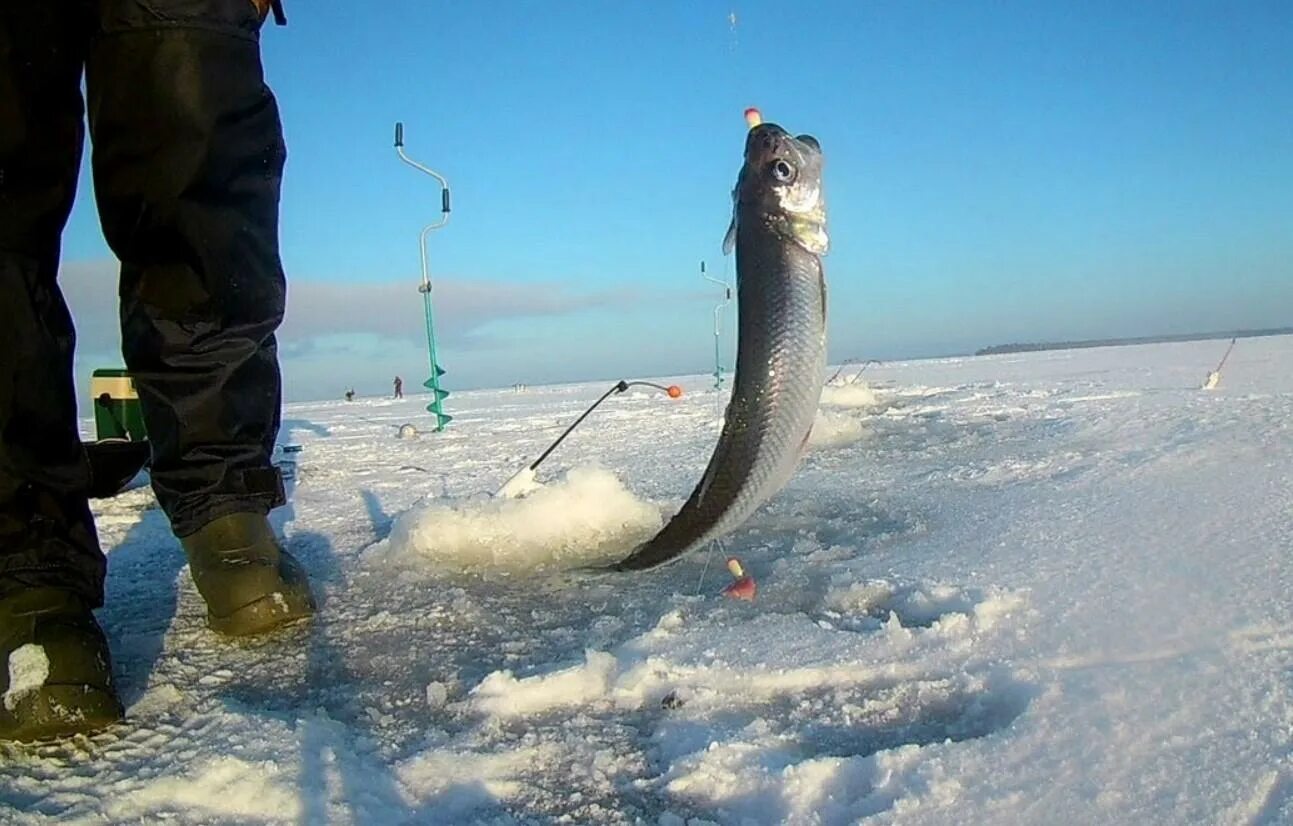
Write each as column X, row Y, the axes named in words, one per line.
column 55, row 670
column 46, row 533
column 188, row 160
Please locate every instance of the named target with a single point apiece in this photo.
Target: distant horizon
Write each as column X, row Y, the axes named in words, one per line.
column 1161, row 338
column 415, row 389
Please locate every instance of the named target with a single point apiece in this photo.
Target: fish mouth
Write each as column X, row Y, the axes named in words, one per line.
column 780, row 185
column 768, row 145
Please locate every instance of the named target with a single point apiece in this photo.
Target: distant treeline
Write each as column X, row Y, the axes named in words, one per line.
column 1118, row 342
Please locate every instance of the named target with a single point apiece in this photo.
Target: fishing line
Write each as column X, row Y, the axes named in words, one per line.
column 734, row 84
column 700, row 583
column 734, row 95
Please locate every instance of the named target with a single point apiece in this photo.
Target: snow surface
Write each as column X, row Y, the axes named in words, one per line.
column 1037, row 588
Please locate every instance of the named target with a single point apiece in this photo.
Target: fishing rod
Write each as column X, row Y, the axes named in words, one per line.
column 524, row 478
column 1214, row 378
column 1222, row 363
column 856, row 375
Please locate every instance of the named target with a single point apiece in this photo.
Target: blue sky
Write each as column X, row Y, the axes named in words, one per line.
column 995, row 172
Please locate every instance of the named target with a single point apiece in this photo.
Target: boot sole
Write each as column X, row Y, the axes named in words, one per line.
column 265, row 614
column 54, row 712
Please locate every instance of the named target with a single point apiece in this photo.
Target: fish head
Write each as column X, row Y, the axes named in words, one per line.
column 780, row 186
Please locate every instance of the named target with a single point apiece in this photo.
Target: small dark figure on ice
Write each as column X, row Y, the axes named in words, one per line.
column 399, row 388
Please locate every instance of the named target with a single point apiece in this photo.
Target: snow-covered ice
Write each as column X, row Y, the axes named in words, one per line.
column 1036, row 588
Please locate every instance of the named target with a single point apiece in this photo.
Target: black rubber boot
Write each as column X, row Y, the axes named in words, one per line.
column 249, row 582
column 56, row 677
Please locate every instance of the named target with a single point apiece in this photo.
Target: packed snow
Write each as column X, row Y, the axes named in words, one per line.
column 1038, row 588
column 586, row 518
column 845, row 393
column 28, row 671
column 832, row 429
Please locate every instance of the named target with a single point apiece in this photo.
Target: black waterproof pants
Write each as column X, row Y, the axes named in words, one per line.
column 187, row 161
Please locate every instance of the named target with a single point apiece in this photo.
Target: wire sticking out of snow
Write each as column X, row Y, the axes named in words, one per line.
column 28, row 671
column 852, row 394
column 586, row 518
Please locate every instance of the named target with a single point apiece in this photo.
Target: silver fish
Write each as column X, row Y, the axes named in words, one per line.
column 779, row 233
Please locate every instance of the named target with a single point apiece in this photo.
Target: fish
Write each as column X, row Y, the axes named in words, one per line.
column 778, row 232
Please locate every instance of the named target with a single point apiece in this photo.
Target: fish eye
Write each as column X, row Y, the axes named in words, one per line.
column 783, row 171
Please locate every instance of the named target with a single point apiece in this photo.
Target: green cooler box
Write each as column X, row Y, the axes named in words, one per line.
column 116, row 406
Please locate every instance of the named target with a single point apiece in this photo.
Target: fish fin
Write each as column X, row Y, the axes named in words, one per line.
column 809, row 140
column 729, row 240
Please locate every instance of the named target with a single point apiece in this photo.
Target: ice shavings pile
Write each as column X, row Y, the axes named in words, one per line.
column 587, row 517
column 849, row 394
column 831, row 429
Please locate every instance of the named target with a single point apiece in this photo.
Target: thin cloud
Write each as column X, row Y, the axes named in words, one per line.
column 381, row 325
column 463, row 309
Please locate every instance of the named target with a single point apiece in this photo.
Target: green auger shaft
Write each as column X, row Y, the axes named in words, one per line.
column 438, row 394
